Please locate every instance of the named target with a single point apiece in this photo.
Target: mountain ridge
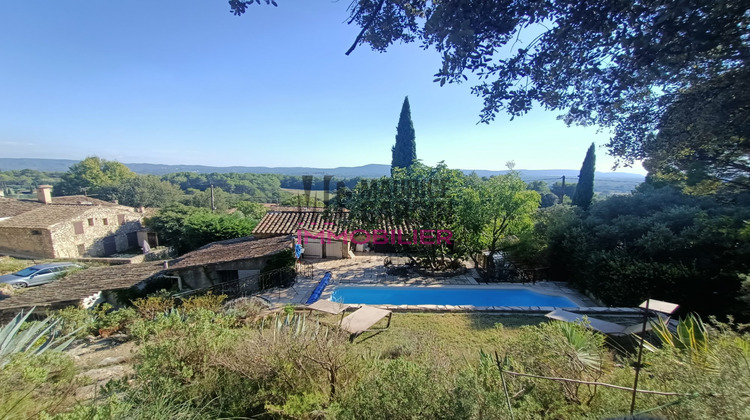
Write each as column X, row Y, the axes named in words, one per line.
column 372, row 170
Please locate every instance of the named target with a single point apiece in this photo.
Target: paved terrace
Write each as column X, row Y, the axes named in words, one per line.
column 369, row 270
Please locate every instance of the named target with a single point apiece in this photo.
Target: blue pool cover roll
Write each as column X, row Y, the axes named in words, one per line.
column 319, row 288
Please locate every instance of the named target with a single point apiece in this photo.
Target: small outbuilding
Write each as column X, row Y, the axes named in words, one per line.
column 228, row 260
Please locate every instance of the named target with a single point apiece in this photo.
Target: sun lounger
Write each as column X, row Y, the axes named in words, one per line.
column 660, row 306
column 604, row 327
column 363, row 319
column 328, row 307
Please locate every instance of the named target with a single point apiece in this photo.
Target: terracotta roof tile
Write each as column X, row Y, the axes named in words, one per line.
column 82, row 284
column 44, row 216
column 289, row 222
column 233, row 250
column 11, row 207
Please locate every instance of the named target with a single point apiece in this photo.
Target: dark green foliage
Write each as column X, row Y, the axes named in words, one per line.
column 584, row 191
column 247, row 186
column 283, row 259
column 557, row 190
column 187, row 228
column 421, row 198
column 142, row 190
column 618, row 65
column 656, row 242
column 25, row 180
column 203, row 228
column 405, row 150
column 251, row 210
column 90, row 175
column 704, row 137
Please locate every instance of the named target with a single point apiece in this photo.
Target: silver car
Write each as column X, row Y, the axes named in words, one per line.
column 37, row 274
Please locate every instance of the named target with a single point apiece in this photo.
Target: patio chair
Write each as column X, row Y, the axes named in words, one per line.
column 596, row 324
column 610, row 328
column 363, row 319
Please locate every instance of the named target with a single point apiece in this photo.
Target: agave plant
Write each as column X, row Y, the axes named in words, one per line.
column 690, row 334
column 38, row 338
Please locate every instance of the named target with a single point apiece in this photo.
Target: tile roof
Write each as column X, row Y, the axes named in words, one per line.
column 11, row 207
column 45, row 216
column 233, row 250
column 72, row 199
column 289, row 222
column 40, row 215
column 81, row 199
column 82, row 284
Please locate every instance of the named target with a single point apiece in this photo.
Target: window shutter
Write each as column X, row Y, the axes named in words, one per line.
column 78, row 227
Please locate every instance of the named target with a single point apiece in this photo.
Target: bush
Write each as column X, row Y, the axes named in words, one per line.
column 76, row 318
column 209, row 301
column 109, row 321
column 32, row 384
column 150, row 307
column 102, row 320
column 393, row 389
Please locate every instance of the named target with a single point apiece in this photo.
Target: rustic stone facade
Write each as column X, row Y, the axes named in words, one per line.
column 71, row 231
column 100, row 225
column 26, row 242
column 206, row 276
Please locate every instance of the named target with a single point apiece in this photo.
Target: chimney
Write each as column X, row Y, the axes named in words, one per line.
column 44, row 194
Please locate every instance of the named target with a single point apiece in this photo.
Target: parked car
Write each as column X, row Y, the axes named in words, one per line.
column 37, row 274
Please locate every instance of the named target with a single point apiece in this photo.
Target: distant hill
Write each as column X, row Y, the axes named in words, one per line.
column 606, row 182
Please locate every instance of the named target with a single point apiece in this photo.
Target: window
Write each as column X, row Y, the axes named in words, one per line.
column 81, row 249
column 78, row 228
column 91, row 222
column 105, row 222
column 36, row 232
column 121, row 219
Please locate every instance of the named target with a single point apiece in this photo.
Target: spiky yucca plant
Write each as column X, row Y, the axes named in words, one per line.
column 38, row 338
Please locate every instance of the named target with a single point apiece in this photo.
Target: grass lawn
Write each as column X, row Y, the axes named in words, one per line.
column 455, row 336
column 313, row 193
column 11, row 265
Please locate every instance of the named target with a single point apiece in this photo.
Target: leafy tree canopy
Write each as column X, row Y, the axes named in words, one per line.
column 92, row 174
column 704, row 137
column 616, row 63
column 143, row 190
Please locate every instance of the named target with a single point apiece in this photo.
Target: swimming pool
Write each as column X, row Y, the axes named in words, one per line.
column 476, row 296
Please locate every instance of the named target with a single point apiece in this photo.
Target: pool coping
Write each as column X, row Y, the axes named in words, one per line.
column 501, row 310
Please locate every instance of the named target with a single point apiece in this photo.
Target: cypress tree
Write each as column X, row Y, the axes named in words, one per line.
column 405, row 150
column 585, row 189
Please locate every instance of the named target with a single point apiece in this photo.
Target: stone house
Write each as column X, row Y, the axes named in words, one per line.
column 228, row 260
column 68, row 227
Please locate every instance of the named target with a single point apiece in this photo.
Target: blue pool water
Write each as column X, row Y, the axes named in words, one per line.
column 477, row 296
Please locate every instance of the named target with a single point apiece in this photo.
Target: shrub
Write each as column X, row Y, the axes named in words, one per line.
column 109, row 321
column 32, row 384
column 150, row 307
column 394, row 389
column 247, row 308
column 76, row 319
column 208, row 301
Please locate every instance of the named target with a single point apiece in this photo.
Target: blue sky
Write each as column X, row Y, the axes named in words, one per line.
column 187, row 82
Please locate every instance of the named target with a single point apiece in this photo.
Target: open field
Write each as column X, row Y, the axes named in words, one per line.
column 313, row 193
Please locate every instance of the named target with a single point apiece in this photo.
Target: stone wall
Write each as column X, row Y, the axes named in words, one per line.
column 206, row 276
column 26, row 242
column 67, row 244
